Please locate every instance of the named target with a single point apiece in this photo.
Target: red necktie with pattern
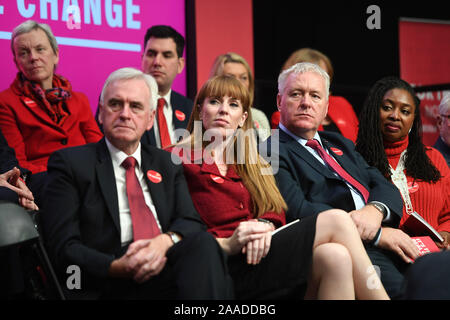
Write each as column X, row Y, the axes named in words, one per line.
column 162, row 124
column 313, row 143
column 144, row 223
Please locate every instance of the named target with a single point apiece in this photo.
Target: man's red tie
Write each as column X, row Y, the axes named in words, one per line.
column 162, row 124
column 144, row 223
column 313, row 143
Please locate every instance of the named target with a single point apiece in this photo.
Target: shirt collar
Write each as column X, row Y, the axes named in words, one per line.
column 166, row 97
column 118, row 156
column 297, row 138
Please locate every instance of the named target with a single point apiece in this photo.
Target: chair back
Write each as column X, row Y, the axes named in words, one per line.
column 16, row 225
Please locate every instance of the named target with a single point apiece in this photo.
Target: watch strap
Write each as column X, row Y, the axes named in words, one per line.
column 175, row 237
column 380, row 208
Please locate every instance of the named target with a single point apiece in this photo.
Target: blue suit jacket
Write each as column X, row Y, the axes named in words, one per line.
column 309, row 187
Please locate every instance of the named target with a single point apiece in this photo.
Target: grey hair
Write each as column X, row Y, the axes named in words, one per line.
column 129, row 74
column 444, row 106
column 303, row 67
column 30, row 25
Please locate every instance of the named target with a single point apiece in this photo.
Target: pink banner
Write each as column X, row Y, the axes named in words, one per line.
column 95, row 37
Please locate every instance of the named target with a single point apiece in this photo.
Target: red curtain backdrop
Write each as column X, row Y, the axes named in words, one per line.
column 222, row 26
column 425, row 60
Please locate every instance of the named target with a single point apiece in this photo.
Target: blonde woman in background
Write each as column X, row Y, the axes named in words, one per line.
column 235, row 65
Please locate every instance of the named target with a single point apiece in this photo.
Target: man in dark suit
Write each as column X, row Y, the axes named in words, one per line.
column 89, row 221
column 163, row 59
column 309, row 184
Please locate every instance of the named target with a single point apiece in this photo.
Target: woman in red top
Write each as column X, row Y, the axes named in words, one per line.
column 40, row 113
column 235, row 193
column 389, row 138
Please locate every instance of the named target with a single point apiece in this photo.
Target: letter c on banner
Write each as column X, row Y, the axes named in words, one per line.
column 25, row 12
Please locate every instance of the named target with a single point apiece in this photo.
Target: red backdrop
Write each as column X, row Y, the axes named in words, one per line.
column 425, row 60
column 222, row 26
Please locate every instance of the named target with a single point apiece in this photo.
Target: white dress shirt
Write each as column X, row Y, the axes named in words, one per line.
column 168, row 114
column 118, row 156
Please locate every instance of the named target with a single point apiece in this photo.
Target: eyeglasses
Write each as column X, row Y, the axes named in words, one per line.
column 445, row 116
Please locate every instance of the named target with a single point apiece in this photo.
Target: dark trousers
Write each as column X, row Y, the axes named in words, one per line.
column 283, row 273
column 429, row 278
column 37, row 184
column 11, row 276
column 8, row 195
column 196, row 269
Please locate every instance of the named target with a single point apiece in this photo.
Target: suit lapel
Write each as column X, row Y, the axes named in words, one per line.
column 177, row 105
column 149, row 137
column 107, row 181
column 301, row 151
column 179, row 116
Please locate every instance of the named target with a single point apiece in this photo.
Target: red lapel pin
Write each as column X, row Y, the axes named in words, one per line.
column 180, row 115
column 154, row 176
column 337, row 151
column 216, row 179
column 30, row 103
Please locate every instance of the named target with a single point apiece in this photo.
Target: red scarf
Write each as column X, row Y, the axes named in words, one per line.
column 53, row 100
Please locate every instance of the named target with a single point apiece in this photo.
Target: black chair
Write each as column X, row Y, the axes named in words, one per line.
column 18, row 232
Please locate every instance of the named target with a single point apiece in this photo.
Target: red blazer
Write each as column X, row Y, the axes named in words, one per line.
column 35, row 136
column 340, row 112
column 222, row 201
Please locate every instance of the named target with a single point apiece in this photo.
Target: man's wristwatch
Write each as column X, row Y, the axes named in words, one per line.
column 380, row 208
column 175, row 237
